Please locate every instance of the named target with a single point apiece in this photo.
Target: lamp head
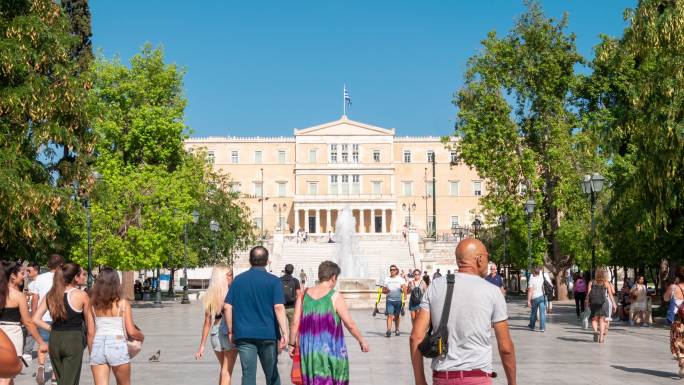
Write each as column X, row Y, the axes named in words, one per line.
column 195, row 216
column 586, row 184
column 530, row 205
column 597, row 182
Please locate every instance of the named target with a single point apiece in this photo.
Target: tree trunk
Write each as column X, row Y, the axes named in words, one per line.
column 171, row 281
column 561, row 285
column 127, row 282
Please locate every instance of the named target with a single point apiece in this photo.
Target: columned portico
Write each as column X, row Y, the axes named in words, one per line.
column 324, row 215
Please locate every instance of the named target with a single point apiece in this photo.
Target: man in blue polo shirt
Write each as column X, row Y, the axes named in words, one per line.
column 254, row 311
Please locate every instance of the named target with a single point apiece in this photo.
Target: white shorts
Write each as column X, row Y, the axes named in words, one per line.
column 15, row 334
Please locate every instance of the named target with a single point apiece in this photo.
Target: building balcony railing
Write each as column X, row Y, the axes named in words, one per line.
column 344, row 197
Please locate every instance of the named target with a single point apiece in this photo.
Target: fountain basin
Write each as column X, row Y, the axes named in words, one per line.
column 359, row 293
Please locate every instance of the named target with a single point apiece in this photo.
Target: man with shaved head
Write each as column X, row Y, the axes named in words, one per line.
column 476, row 306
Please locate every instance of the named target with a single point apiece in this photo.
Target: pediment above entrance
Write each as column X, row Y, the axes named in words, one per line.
column 344, row 127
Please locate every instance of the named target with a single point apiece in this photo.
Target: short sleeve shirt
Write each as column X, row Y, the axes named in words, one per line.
column 42, row 286
column 537, row 286
column 475, row 306
column 253, row 295
column 394, row 287
column 495, row 280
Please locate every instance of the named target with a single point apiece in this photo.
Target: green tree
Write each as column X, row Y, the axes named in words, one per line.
column 517, row 122
column 634, row 103
column 42, row 99
column 149, row 184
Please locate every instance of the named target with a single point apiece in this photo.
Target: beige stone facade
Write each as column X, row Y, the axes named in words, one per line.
column 303, row 181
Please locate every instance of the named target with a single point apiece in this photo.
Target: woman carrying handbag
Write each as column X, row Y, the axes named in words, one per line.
column 115, row 338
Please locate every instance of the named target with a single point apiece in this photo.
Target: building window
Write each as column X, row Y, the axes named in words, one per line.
column 258, row 157
column 430, row 156
column 454, row 157
column 333, row 184
column 345, row 184
column 312, row 156
column 407, row 221
column 345, row 153
column 282, row 189
column 453, row 188
column 281, row 156
column 211, row 158
column 355, row 153
column 407, row 156
column 454, row 221
column 431, row 225
column 313, row 188
column 234, row 157
column 430, row 187
column 407, row 188
column 376, row 156
column 356, row 188
column 282, row 222
column 477, row 188
column 235, row 187
column 377, row 187
column 333, row 153
column 258, row 189
column 258, row 223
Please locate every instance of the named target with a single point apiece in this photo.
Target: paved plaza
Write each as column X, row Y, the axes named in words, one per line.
column 565, row 354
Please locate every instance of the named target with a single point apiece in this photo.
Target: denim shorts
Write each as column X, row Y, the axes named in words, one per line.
column 219, row 341
column 45, row 334
column 109, row 350
column 393, row 308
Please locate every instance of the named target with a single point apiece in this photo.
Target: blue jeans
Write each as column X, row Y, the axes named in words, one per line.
column 267, row 351
column 538, row 303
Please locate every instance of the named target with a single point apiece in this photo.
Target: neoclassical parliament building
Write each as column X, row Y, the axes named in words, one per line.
column 303, row 181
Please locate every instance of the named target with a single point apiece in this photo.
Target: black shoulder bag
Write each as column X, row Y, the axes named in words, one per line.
column 437, row 344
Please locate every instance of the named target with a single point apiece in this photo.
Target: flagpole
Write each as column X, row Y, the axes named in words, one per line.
column 344, row 101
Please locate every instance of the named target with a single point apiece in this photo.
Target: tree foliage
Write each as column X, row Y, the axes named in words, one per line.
column 634, row 103
column 518, row 126
column 42, row 115
column 149, row 184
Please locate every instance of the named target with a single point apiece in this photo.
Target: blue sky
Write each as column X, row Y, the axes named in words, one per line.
column 266, row 67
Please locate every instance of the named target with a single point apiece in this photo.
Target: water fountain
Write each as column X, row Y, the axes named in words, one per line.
column 354, row 283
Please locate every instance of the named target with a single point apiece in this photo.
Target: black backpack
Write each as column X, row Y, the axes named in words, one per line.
column 289, row 289
column 549, row 290
column 596, row 295
column 416, row 296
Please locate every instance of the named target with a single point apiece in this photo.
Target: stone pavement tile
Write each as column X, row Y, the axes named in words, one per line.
column 564, row 354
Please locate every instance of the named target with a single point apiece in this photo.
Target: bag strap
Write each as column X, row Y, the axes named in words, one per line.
column 447, row 302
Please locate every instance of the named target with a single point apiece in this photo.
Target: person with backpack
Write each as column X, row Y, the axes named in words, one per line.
column 292, row 290
column 416, row 288
column 599, row 292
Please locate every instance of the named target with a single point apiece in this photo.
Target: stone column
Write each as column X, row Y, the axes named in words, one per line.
column 318, row 221
column 328, row 225
column 373, row 221
column 394, row 220
column 384, row 221
column 362, row 221
column 306, row 220
column 296, row 220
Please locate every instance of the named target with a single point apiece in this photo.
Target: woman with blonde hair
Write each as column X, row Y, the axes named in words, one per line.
column 221, row 279
column 601, row 302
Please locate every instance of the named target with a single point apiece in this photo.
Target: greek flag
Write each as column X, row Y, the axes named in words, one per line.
column 347, row 98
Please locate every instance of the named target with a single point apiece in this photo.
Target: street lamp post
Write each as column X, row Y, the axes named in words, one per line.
column 280, row 209
column 261, row 235
column 503, row 220
column 195, row 219
column 477, row 225
column 529, row 209
column 592, row 185
column 214, row 227
column 408, row 208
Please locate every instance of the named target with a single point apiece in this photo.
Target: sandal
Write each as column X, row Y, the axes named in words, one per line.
column 596, row 337
column 40, row 375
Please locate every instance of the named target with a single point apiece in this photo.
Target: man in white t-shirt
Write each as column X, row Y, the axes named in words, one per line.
column 476, row 307
column 41, row 286
column 536, row 300
column 394, row 289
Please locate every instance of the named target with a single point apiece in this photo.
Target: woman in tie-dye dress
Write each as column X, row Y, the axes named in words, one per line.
column 317, row 329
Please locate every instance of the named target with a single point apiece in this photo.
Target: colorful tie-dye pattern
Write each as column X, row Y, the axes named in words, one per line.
column 321, row 343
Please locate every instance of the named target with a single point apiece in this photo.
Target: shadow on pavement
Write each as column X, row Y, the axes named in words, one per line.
column 570, row 339
column 657, row 373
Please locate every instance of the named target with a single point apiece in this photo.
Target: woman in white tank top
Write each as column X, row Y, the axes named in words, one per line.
column 113, row 326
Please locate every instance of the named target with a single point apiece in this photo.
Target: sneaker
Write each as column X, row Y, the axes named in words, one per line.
column 596, row 337
column 396, row 333
column 27, row 357
column 388, row 334
column 40, row 375
column 542, row 330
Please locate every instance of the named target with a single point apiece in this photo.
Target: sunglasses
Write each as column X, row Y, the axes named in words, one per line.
column 393, row 269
